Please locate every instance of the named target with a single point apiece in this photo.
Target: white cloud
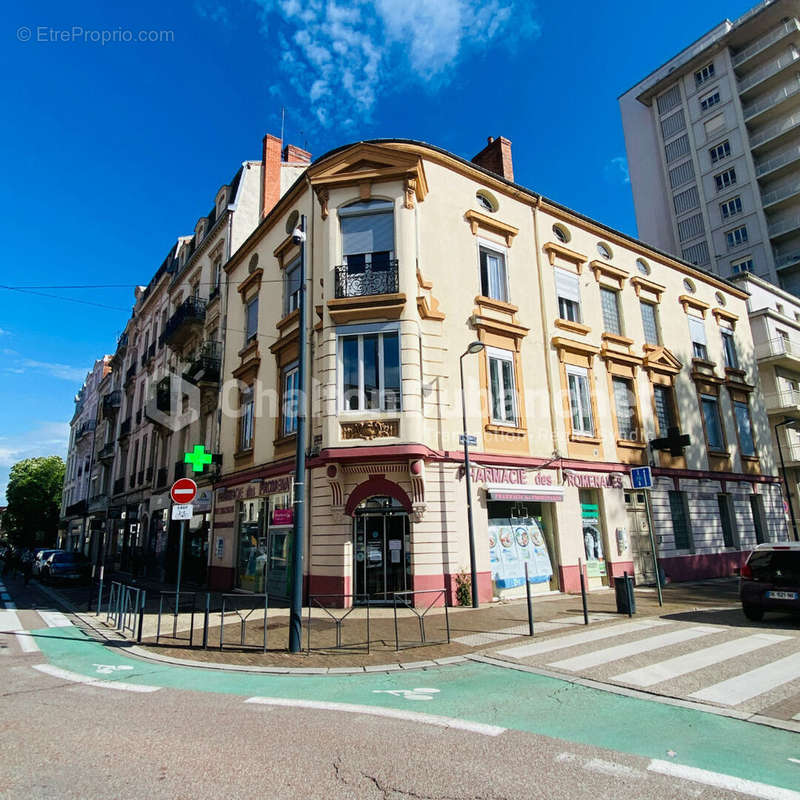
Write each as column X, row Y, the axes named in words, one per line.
column 4, row 332
column 61, row 371
column 340, row 57
column 617, row 170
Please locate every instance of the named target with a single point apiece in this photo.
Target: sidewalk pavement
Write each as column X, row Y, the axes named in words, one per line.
column 471, row 630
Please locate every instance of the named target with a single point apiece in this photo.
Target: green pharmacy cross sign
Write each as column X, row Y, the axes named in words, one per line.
column 198, row 458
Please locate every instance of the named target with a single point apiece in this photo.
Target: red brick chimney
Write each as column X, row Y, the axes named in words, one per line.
column 270, row 174
column 496, row 157
column 292, row 154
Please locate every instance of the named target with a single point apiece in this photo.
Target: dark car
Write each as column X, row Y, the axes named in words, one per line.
column 770, row 580
column 61, row 566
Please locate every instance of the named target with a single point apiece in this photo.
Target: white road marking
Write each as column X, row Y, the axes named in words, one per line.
column 753, row 683
column 409, row 694
column 9, row 622
column 764, row 791
column 75, row 677
column 54, row 619
column 377, row 711
column 602, row 766
column 609, row 654
column 691, row 662
column 580, row 638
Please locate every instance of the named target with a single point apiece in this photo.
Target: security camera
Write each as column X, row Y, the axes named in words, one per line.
column 298, row 235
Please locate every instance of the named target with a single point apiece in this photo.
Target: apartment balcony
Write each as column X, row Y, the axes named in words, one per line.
column 776, row 35
column 131, row 372
column 206, row 365
column 125, row 428
column 139, row 417
column 787, row 260
column 148, row 475
column 786, row 404
column 86, row 427
column 771, row 166
column 122, row 343
column 119, row 485
column 98, row 502
column 791, row 454
column 148, row 355
column 187, row 320
column 107, row 452
column 766, row 72
column 161, row 478
column 758, row 108
column 132, row 480
column 78, row 509
column 781, row 195
column 111, row 403
column 779, row 352
column 213, row 295
column 180, row 469
column 140, row 477
column 774, row 132
column 784, row 226
column 158, row 412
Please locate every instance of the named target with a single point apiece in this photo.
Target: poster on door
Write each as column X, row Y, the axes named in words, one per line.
column 512, row 545
column 593, row 545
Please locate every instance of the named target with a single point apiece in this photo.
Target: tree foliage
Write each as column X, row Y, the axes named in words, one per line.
column 34, row 499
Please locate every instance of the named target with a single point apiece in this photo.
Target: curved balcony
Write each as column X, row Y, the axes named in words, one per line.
column 187, row 319
column 205, row 366
column 111, row 403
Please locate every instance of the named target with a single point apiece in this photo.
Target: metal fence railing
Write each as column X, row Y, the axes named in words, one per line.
column 328, row 626
column 172, row 605
column 126, row 608
column 406, row 600
column 239, row 609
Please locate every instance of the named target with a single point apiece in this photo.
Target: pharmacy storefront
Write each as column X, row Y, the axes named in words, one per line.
column 521, row 527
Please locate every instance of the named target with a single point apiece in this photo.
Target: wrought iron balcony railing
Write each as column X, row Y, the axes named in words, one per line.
column 205, row 366
column 191, row 311
column 119, row 485
column 161, row 477
column 111, row 402
column 107, row 452
column 180, row 469
column 87, row 426
column 362, row 280
column 125, row 428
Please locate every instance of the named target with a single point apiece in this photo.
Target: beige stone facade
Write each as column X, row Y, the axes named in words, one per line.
column 593, row 345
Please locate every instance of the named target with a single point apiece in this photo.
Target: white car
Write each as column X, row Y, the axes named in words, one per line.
column 41, row 557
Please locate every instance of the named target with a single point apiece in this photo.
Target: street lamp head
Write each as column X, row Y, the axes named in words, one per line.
column 475, row 347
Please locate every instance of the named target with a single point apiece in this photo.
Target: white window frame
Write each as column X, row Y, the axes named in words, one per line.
column 704, row 74
column 727, row 337
column 736, row 237
column 507, row 356
column 248, row 335
column 577, row 302
column 247, row 423
column 730, row 208
column 725, row 179
column 654, row 307
column 361, row 331
column 741, row 265
column 498, row 250
column 710, row 100
column 288, row 371
column 582, row 374
column 291, row 302
column 720, row 151
column 699, row 325
column 617, row 311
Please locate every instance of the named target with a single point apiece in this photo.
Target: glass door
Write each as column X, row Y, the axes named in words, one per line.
column 380, row 547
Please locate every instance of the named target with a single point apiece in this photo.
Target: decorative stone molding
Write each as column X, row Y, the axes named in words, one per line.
column 602, row 270
column 723, row 316
column 477, row 221
column 334, row 474
column 552, row 249
column 370, row 429
column 643, row 285
column 322, row 195
column 687, row 301
column 427, row 304
column 411, row 191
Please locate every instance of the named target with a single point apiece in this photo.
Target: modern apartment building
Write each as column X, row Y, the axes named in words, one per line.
column 592, row 345
column 775, row 324
column 713, row 145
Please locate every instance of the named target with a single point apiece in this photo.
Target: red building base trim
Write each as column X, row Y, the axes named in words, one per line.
column 338, row 586
column 617, row 569
column 448, row 583
column 698, row 567
column 221, row 579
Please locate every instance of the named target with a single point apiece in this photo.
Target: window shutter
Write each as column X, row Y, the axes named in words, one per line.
column 697, row 330
column 371, row 233
column 567, row 285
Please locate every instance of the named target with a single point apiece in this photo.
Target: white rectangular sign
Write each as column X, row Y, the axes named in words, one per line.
column 183, row 511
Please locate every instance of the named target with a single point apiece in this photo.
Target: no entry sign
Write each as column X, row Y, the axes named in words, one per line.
column 184, row 490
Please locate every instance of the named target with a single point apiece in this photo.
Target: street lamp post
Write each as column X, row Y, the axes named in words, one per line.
column 475, row 347
column 786, row 421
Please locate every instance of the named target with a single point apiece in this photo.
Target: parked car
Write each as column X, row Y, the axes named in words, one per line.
column 40, row 557
column 64, row 566
column 770, row 580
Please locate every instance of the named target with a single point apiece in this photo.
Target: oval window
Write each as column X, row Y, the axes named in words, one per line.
column 291, row 221
column 561, row 233
column 642, row 266
column 689, row 286
column 486, row 200
column 604, row 250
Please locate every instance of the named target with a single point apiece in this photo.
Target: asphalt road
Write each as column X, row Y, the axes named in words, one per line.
column 189, row 733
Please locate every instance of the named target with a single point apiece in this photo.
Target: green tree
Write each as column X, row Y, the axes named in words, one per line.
column 34, row 500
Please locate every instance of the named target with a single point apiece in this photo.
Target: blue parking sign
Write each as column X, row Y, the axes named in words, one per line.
column 642, row 478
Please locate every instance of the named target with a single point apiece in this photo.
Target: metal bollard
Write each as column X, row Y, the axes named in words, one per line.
column 628, row 593
column 205, row 621
column 141, row 617
column 528, row 597
column 100, row 592
column 91, row 589
column 583, row 594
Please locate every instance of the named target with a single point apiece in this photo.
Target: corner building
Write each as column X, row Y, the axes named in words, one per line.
column 593, row 344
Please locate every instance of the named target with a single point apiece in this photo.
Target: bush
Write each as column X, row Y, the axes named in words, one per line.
column 463, row 589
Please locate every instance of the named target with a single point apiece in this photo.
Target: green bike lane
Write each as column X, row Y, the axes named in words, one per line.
column 480, row 693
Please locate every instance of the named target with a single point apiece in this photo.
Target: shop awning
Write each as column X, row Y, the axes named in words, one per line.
column 531, row 494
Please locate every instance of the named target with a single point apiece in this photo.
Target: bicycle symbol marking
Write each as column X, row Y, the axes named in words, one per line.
column 108, row 669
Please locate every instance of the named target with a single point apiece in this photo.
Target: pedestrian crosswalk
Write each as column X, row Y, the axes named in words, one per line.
column 13, row 631
column 726, row 665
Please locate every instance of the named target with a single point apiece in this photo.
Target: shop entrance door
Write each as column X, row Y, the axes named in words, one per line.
column 639, row 537
column 380, row 547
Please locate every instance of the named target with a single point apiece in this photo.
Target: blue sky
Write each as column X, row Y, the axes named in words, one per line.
column 112, row 150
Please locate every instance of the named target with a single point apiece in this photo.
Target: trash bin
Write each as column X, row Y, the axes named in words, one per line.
column 623, row 588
